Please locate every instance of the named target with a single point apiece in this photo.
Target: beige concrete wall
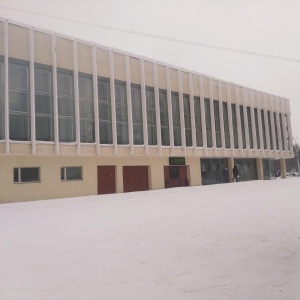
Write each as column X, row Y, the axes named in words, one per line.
column 194, row 171
column 119, row 67
column 174, row 80
column 103, row 63
column 1, row 38
column 64, row 53
column 224, row 91
column 42, row 48
column 135, row 73
column 260, row 170
column 84, row 55
column 206, row 87
column 185, row 82
column 215, row 89
column 196, row 86
column 18, row 42
column 149, row 78
column 161, row 72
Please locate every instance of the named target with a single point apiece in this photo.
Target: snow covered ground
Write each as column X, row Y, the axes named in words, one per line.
column 236, row 241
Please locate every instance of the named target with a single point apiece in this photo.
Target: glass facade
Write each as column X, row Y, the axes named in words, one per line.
column 214, row 170
column 164, row 118
column 257, row 128
column 226, row 125
column 151, row 116
column 217, row 124
column 234, row 127
column 198, row 121
column 208, row 123
column 270, row 129
column 137, row 115
column 176, row 119
column 247, row 168
column 1, row 98
column 187, row 120
column 276, row 131
column 268, row 169
column 263, row 124
column 250, row 127
column 243, row 126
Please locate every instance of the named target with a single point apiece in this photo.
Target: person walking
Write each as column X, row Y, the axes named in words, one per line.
column 235, row 172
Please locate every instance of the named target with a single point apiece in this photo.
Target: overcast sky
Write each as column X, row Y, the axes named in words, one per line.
column 262, row 26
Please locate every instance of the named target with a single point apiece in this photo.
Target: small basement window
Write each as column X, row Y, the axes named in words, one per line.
column 71, row 173
column 26, row 175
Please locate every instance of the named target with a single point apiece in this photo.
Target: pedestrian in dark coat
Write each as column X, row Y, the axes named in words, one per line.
column 235, row 172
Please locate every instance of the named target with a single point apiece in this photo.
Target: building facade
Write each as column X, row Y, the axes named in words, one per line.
column 82, row 119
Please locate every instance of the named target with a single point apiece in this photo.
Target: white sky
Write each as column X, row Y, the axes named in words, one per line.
column 269, row 26
column 227, row 241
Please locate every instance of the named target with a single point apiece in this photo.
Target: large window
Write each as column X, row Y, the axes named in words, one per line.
column 19, row 106
column 287, row 131
column 137, row 114
column 121, row 113
column 176, row 119
column 226, row 124
column 86, row 108
column 217, row 124
column 250, row 127
column 234, row 127
column 26, row 175
column 243, row 126
column 276, row 130
column 71, row 173
column 66, row 105
column 257, row 128
column 151, row 116
column 44, row 128
column 187, row 120
column 263, row 124
column 208, row 123
column 1, row 98
column 270, row 129
column 104, row 106
column 164, row 118
column 198, row 121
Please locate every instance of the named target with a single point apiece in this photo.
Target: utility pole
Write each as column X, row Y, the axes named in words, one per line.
column 297, row 153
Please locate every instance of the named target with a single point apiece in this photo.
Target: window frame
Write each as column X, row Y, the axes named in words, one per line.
column 65, row 169
column 19, row 175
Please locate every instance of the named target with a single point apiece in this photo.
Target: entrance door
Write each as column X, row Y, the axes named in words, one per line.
column 106, row 180
column 175, row 176
column 135, row 178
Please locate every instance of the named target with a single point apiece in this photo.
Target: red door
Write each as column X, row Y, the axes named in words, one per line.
column 106, row 180
column 135, row 178
column 175, row 176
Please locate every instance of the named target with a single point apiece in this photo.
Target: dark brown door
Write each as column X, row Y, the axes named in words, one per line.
column 175, row 176
column 106, row 179
column 135, row 178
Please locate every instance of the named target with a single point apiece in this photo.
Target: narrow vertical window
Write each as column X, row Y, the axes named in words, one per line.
column 270, row 129
column 234, row 126
column 243, row 126
column 121, row 113
column 66, row 105
column 263, row 124
column 281, row 130
column 104, row 107
column 226, row 125
column 151, row 116
column 164, row 118
column 287, row 132
column 198, row 121
column 250, row 127
column 217, row 124
column 19, row 106
column 187, row 120
column 86, row 108
column 257, row 128
column 176, row 119
column 276, row 130
column 137, row 115
column 1, row 98
column 208, row 123
column 44, row 128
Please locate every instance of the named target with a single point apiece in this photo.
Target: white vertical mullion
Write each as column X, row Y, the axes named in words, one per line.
column 144, row 105
column 212, row 116
column 253, row 126
column 181, row 112
column 113, row 101
column 76, row 88
column 129, row 105
column 157, row 107
column 221, row 117
column 32, row 91
column 260, row 130
column 6, row 101
column 238, row 118
column 55, row 100
column 170, row 115
column 96, row 105
column 244, row 103
column 192, row 109
column 229, row 108
column 203, row 118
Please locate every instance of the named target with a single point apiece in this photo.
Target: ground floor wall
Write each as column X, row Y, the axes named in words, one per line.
column 58, row 174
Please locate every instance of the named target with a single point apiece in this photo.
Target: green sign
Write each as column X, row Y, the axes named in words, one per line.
column 176, row 161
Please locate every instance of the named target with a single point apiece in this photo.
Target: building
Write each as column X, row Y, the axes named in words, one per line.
column 82, row 119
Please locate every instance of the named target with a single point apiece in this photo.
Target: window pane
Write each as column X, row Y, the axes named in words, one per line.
column 44, row 128
column 66, row 107
column 66, row 130
column 43, row 80
column 18, row 76
column 104, row 90
column 85, row 86
column 43, row 104
column 30, row 174
column 19, row 127
column 18, row 101
column 65, row 83
column 73, row 173
column 122, row 133
column 1, row 125
column 105, row 133
column 87, row 131
column 1, row 73
column 16, row 175
column 104, row 111
column 86, row 109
